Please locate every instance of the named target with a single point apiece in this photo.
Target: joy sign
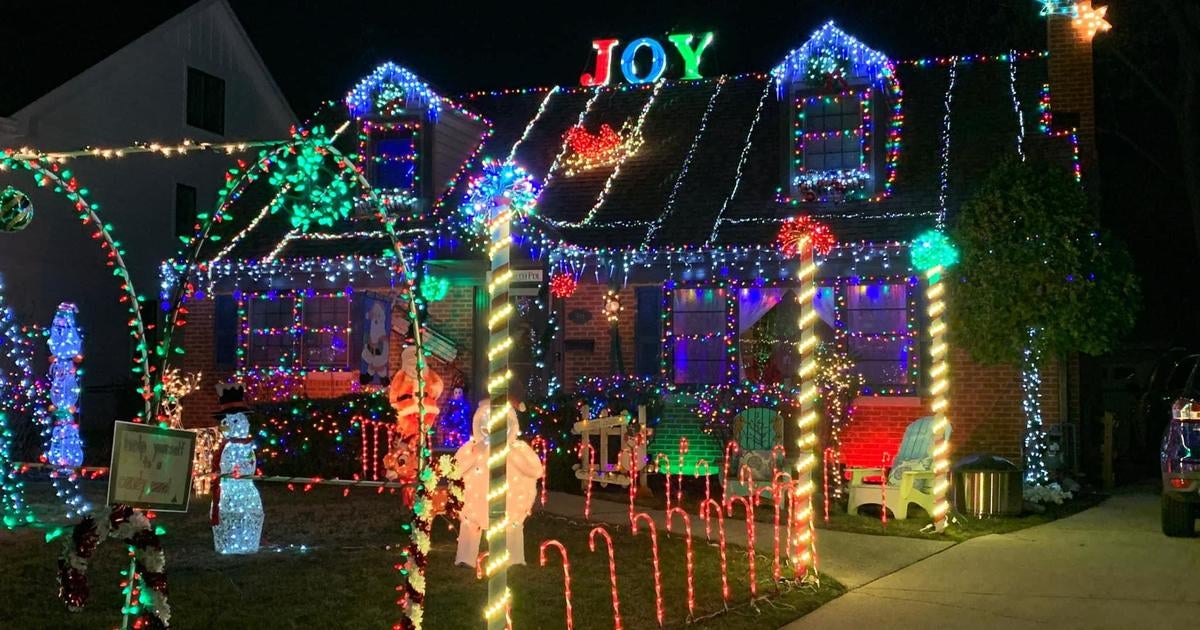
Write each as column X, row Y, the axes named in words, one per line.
column 689, row 52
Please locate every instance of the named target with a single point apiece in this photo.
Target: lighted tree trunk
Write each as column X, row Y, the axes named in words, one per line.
column 1031, row 404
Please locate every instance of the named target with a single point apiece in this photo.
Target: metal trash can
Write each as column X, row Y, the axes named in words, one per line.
column 987, row 485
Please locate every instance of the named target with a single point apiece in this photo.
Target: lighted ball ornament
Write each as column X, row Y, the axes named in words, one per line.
column 500, row 185
column 563, row 285
column 804, row 237
column 16, row 210
column 932, row 253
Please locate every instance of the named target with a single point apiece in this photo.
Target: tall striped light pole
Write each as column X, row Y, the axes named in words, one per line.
column 501, row 193
column 932, row 253
column 804, row 238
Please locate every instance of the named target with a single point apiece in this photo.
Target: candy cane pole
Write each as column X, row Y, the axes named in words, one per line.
column 683, row 449
column 826, row 463
column 566, row 574
column 778, row 456
column 720, row 544
column 773, row 492
column 612, row 571
column 591, row 473
column 748, row 507
column 658, row 600
column 687, row 530
column 883, row 490
column 932, row 253
column 666, row 471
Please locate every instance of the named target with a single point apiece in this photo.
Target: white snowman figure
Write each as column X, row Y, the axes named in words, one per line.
column 237, row 512
column 524, row 469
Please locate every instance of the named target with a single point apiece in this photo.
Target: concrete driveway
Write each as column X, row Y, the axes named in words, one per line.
column 1108, row 567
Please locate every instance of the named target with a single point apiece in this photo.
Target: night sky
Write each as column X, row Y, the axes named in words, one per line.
column 317, row 50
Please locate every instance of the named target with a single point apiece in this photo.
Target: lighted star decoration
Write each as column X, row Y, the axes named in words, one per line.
column 802, row 232
column 933, row 249
column 1090, row 19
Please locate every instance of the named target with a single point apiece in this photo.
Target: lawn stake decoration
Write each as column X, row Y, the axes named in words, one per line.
column 730, row 448
column 773, row 492
column 707, row 475
column 145, row 585
column 566, row 565
column 612, row 571
column 540, row 445
column 747, row 504
column 932, row 254
column 658, row 599
column 591, row 475
column 687, row 541
column 707, row 509
column 500, row 194
column 237, row 511
column 804, row 238
column 666, row 472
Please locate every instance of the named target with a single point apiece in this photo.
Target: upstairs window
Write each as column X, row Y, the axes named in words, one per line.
column 393, row 154
column 832, row 152
column 205, row 101
column 185, row 210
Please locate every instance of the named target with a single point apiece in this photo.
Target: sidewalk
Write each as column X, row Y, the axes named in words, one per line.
column 851, row 559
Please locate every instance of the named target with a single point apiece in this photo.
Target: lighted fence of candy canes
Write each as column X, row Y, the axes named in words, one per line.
column 612, row 571
column 690, row 559
column 659, row 612
column 566, row 565
column 707, row 509
column 932, row 253
column 502, row 193
column 804, row 238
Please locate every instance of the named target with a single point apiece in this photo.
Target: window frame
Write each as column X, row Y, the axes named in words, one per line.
column 912, row 332
column 730, row 335
column 372, row 131
column 868, row 102
column 296, row 332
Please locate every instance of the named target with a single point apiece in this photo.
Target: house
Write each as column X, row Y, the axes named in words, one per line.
column 196, row 76
column 652, row 251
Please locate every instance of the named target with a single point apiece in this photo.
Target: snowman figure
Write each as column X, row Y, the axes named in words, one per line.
column 524, row 469
column 237, row 512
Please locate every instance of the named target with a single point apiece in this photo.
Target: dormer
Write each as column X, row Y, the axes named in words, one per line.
column 842, row 101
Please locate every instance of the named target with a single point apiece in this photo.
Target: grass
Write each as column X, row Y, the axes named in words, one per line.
column 916, row 525
column 344, row 576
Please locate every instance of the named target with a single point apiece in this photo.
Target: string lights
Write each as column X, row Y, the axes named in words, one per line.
column 658, row 598
column 566, row 565
column 612, row 571
column 18, row 392
column 932, row 254
column 737, row 172
column 944, row 172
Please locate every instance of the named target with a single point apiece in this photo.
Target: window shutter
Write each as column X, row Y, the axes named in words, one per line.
column 225, row 325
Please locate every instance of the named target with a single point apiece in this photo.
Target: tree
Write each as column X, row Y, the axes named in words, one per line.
column 1037, row 276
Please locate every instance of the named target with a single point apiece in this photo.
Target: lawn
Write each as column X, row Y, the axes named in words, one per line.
column 328, row 562
column 917, row 525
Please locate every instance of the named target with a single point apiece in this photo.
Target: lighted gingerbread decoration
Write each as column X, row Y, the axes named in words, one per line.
column 524, row 469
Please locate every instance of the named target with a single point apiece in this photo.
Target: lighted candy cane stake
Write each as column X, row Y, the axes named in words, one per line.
column 804, row 238
column 707, row 475
column 539, row 443
column 773, row 492
column 683, row 449
column 502, row 192
column 932, row 253
column 691, row 582
column 566, row 574
column 658, row 600
column 826, row 463
column 706, row 514
column 748, row 507
column 591, row 474
column 730, row 448
column 666, row 471
column 612, row 572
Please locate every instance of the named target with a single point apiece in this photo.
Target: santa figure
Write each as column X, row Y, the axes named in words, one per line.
column 375, row 347
column 400, row 464
column 524, row 469
column 237, row 512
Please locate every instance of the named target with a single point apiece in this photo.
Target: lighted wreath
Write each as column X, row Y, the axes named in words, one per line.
column 148, row 599
column 802, row 232
column 563, row 285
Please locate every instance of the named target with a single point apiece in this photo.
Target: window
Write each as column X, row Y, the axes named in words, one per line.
column 185, row 210
column 873, row 325
column 701, row 336
column 831, row 156
column 297, row 332
column 393, row 151
column 205, row 101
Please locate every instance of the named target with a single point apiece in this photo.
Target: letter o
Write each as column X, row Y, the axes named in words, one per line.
column 658, row 61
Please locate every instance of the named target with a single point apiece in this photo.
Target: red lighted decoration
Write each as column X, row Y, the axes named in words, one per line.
column 563, row 285
column 587, row 150
column 802, row 232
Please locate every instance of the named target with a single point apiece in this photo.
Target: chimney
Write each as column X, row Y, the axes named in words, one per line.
column 1072, row 88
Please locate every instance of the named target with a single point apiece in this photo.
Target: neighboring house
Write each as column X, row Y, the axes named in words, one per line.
column 195, row 76
column 671, row 194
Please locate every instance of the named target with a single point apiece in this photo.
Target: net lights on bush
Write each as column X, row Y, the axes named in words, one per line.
column 932, row 254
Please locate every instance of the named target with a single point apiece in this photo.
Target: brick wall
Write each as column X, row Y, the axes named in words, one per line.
column 1072, row 87
column 589, row 296
column 200, row 357
column 454, row 317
